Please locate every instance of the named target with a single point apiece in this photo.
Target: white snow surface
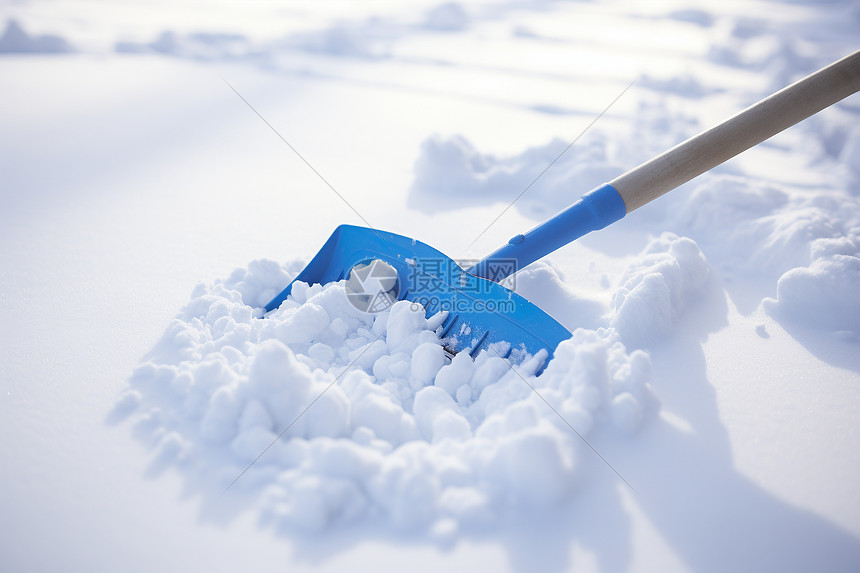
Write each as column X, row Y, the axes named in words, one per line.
column 702, row 417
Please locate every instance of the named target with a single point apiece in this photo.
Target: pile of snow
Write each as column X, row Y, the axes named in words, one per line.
column 450, row 17
column 808, row 243
column 452, row 167
column 767, row 228
column 371, row 38
column 15, row 40
column 805, row 243
column 656, row 288
column 822, row 294
column 198, row 46
column 363, row 415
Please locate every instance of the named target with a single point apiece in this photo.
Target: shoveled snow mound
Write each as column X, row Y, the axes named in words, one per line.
column 198, row 46
column 364, row 416
column 767, row 228
column 670, row 274
column 15, row 40
column 452, row 166
column 808, row 243
column 824, row 294
column 749, row 228
column 656, row 288
column 448, row 17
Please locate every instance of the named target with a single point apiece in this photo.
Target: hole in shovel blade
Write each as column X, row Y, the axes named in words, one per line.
column 373, row 286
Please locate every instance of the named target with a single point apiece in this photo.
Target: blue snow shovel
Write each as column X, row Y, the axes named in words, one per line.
column 480, row 311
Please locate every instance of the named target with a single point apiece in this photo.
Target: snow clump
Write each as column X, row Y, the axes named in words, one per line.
column 656, row 288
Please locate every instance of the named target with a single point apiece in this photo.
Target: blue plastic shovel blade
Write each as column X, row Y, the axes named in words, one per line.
column 480, row 312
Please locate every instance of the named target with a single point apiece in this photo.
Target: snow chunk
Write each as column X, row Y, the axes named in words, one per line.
column 427, row 359
column 656, row 287
column 823, row 294
column 404, row 326
column 303, row 325
column 453, row 376
column 430, row 403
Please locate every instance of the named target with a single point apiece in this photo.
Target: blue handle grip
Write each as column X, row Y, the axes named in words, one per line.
column 594, row 210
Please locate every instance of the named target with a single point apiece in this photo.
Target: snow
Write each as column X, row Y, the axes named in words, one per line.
column 226, row 386
column 656, row 288
column 820, row 294
column 16, row 40
column 713, row 368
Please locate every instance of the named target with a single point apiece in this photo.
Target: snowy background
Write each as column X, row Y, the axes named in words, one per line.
column 146, row 211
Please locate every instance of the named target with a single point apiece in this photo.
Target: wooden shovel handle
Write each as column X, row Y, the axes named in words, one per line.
column 750, row 127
